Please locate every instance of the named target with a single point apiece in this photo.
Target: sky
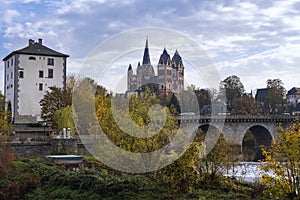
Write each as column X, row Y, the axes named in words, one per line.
column 255, row 40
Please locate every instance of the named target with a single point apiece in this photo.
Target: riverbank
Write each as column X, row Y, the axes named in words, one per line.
column 40, row 178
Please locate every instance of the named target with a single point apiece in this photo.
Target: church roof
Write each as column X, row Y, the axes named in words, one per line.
column 176, row 58
column 261, row 94
column 139, row 66
column 146, row 57
column 36, row 49
column 164, row 57
column 129, row 68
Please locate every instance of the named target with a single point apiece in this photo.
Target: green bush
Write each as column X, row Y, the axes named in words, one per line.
column 40, row 179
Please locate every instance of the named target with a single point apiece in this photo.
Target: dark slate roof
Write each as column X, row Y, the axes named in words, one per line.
column 139, row 66
column 164, row 57
column 293, row 91
column 176, row 58
column 129, row 68
column 36, row 49
column 261, row 93
column 146, row 57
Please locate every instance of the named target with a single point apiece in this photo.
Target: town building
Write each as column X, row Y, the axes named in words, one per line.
column 169, row 78
column 29, row 72
column 293, row 96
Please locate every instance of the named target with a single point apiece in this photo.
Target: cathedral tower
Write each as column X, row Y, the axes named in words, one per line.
column 170, row 77
column 178, row 67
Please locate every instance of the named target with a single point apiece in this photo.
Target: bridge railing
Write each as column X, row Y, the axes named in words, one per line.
column 275, row 118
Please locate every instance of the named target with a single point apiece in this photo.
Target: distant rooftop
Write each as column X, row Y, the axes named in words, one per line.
column 261, row 93
column 294, row 91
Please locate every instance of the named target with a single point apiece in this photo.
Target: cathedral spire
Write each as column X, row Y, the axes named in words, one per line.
column 129, row 68
column 177, row 59
column 146, row 57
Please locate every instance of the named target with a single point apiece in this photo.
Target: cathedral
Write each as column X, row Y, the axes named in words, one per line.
column 169, row 78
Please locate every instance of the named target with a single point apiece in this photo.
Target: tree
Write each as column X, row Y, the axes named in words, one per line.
column 174, row 105
column 189, row 100
column 6, row 154
column 219, row 159
column 183, row 175
column 5, row 126
column 204, row 97
column 275, row 97
column 63, row 118
column 232, row 88
column 245, row 105
column 276, row 84
column 282, row 164
column 55, row 99
column 120, row 122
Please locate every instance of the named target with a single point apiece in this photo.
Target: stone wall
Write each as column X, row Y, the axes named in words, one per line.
column 54, row 146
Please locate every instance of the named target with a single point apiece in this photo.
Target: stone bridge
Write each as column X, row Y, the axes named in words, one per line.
column 234, row 127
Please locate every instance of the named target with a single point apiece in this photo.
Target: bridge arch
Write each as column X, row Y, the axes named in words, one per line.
column 261, row 136
column 209, row 134
column 208, row 127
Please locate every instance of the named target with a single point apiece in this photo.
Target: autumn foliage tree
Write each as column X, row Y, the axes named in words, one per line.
column 219, row 159
column 137, row 113
column 282, row 164
column 56, row 99
column 245, row 105
column 6, row 154
column 64, row 119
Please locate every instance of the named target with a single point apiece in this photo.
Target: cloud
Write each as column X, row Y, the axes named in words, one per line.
column 30, row 1
column 239, row 36
column 281, row 62
column 10, row 15
column 84, row 6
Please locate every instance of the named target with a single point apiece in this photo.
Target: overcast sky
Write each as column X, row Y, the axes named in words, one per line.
column 255, row 40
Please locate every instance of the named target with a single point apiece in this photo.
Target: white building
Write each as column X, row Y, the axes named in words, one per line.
column 29, row 72
column 293, row 96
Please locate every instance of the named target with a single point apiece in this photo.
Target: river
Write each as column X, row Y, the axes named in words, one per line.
column 246, row 171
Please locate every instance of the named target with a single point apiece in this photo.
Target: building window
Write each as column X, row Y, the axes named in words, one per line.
column 21, row 74
column 8, row 63
column 31, row 58
column 41, row 74
column 50, row 61
column 40, row 86
column 7, row 77
column 11, row 75
column 50, row 73
column 12, row 62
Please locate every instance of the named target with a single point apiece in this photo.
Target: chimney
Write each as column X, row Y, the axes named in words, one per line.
column 40, row 41
column 30, row 42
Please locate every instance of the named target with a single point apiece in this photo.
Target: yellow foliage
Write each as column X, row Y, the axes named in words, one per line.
column 281, row 171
